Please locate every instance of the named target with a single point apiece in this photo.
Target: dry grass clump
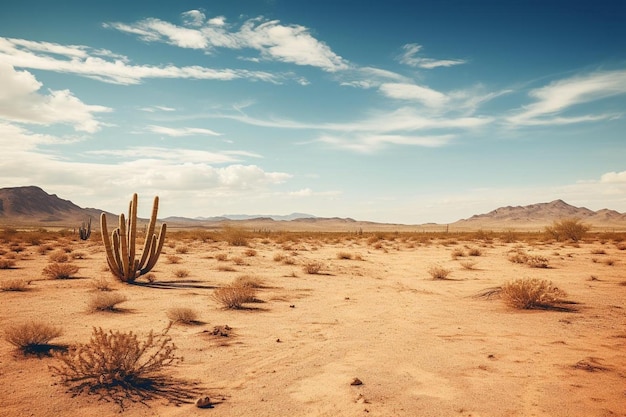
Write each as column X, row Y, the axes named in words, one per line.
column 101, row 284
column 31, row 337
column 313, row 267
column 457, row 253
column 59, row 256
column 115, row 359
column 238, row 260
column 184, row 315
column 181, row 273
column 278, row 257
column 598, row 252
column 173, row 259
column 14, row 285
column 289, row 260
column 248, row 281
column 250, row 252
column 529, row 293
column 234, row 296
column 7, row 263
column 534, row 261
column 344, row 255
column 60, row 270
column 182, row 249
column 470, row 265
column 439, row 272
column 474, row 252
column 105, row 301
column 226, row 268
column 221, row 257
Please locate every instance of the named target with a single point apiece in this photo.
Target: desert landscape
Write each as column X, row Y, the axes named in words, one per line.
column 254, row 321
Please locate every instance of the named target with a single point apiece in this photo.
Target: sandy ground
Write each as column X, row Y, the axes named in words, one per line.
column 421, row 347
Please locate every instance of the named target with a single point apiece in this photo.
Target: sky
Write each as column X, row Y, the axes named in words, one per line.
column 388, row 111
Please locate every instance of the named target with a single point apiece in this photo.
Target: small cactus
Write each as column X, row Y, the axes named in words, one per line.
column 85, row 231
column 120, row 246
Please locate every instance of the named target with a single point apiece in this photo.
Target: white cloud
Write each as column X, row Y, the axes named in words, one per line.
column 367, row 143
column 152, row 109
column 409, row 57
column 563, row 95
column 412, row 92
column 20, row 101
column 273, row 40
column 184, row 131
column 84, row 61
column 614, row 177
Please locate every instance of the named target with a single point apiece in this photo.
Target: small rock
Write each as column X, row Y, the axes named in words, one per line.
column 204, row 402
column 356, row 381
column 292, row 306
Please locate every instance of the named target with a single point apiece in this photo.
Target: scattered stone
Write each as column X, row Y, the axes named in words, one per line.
column 223, row 331
column 204, row 402
column 356, row 381
column 292, row 306
column 278, row 340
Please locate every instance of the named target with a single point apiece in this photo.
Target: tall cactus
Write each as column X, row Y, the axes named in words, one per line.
column 84, row 231
column 120, row 246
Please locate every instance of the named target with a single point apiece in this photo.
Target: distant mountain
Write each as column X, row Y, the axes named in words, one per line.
column 33, row 205
column 541, row 214
column 288, row 217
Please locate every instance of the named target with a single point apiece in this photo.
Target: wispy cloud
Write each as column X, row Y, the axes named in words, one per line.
column 111, row 68
column 561, row 96
column 21, row 101
column 413, row 92
column 272, row 40
column 183, row 131
column 152, row 109
column 409, row 57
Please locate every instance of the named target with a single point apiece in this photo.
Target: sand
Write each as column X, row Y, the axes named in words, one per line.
column 420, row 347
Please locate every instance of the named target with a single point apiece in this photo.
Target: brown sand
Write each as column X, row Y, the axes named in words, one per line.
column 421, row 347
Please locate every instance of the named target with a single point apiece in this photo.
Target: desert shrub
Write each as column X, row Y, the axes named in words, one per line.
column 278, row 257
column 572, row 229
column 344, row 255
column 105, row 301
column 528, row 293
column 313, row 267
column 116, row 359
column 13, row 285
column 474, row 252
column 182, row 249
column 60, row 270
column 238, row 260
column 59, row 256
column 184, row 315
column 439, row 272
column 537, row 261
column 468, row 264
column 598, row 252
column 234, row 296
column 221, row 256
column 101, row 284
column 289, row 260
column 32, row 336
column 7, row 263
column 250, row 252
column 226, row 268
column 248, row 281
column 173, row 259
column 457, row 252
column 181, row 273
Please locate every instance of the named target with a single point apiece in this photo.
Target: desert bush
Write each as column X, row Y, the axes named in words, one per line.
column 60, row 270
column 313, row 267
column 182, row 249
column 537, row 261
column 116, row 359
column 59, row 256
column 13, row 285
column 184, row 315
column 528, row 293
column 173, row 259
column 289, row 260
column 250, row 252
column 181, row 273
column 105, row 301
column 238, row 260
column 439, row 272
column 468, row 264
column 32, row 336
column 457, row 252
column 344, row 255
column 598, row 252
column 572, row 229
column 226, row 268
column 7, row 263
column 101, row 284
column 278, row 257
column 474, row 252
column 248, row 281
column 234, row 296
column 221, row 257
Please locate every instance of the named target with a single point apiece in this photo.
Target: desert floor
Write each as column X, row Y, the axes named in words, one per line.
column 420, row 346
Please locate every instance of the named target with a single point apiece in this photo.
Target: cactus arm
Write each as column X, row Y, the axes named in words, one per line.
column 111, row 260
column 132, row 234
column 149, row 234
column 156, row 249
column 119, row 270
column 124, row 247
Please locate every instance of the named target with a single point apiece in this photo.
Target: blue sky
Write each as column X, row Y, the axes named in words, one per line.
column 389, row 111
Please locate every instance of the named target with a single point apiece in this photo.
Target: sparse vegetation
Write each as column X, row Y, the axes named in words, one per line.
column 184, row 315
column 105, row 301
column 439, row 272
column 531, row 293
column 7, row 263
column 181, row 273
column 14, row 285
column 248, row 281
column 344, row 255
column 60, row 270
column 31, row 337
column 313, row 267
column 173, row 259
column 234, row 296
column 470, row 265
column 101, row 284
column 567, row 229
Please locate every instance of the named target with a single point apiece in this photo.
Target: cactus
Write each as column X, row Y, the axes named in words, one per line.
column 120, row 246
column 85, row 232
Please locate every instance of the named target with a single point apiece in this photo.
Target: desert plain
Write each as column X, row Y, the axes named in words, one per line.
column 371, row 310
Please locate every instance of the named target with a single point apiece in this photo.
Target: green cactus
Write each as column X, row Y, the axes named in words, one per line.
column 120, row 246
column 85, row 231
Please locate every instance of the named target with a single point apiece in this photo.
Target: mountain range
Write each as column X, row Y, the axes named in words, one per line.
column 32, row 206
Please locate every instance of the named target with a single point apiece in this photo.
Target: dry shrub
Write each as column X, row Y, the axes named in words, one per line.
column 456, row 253
column 250, row 252
column 248, row 281
column 173, row 259
column 101, row 284
column 344, row 255
column 289, row 260
column 221, row 257
column 528, row 293
column 115, row 359
column 7, row 263
column 105, row 301
column 238, row 260
column 59, row 256
column 78, row 255
column 234, row 296
column 14, row 285
column 598, row 252
column 474, row 252
column 60, row 270
column 184, row 315
column 226, row 268
column 182, row 249
column 278, row 257
column 313, row 267
column 567, row 229
column 537, row 261
column 31, row 337
column 181, row 273
column 439, row 272
column 468, row 264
